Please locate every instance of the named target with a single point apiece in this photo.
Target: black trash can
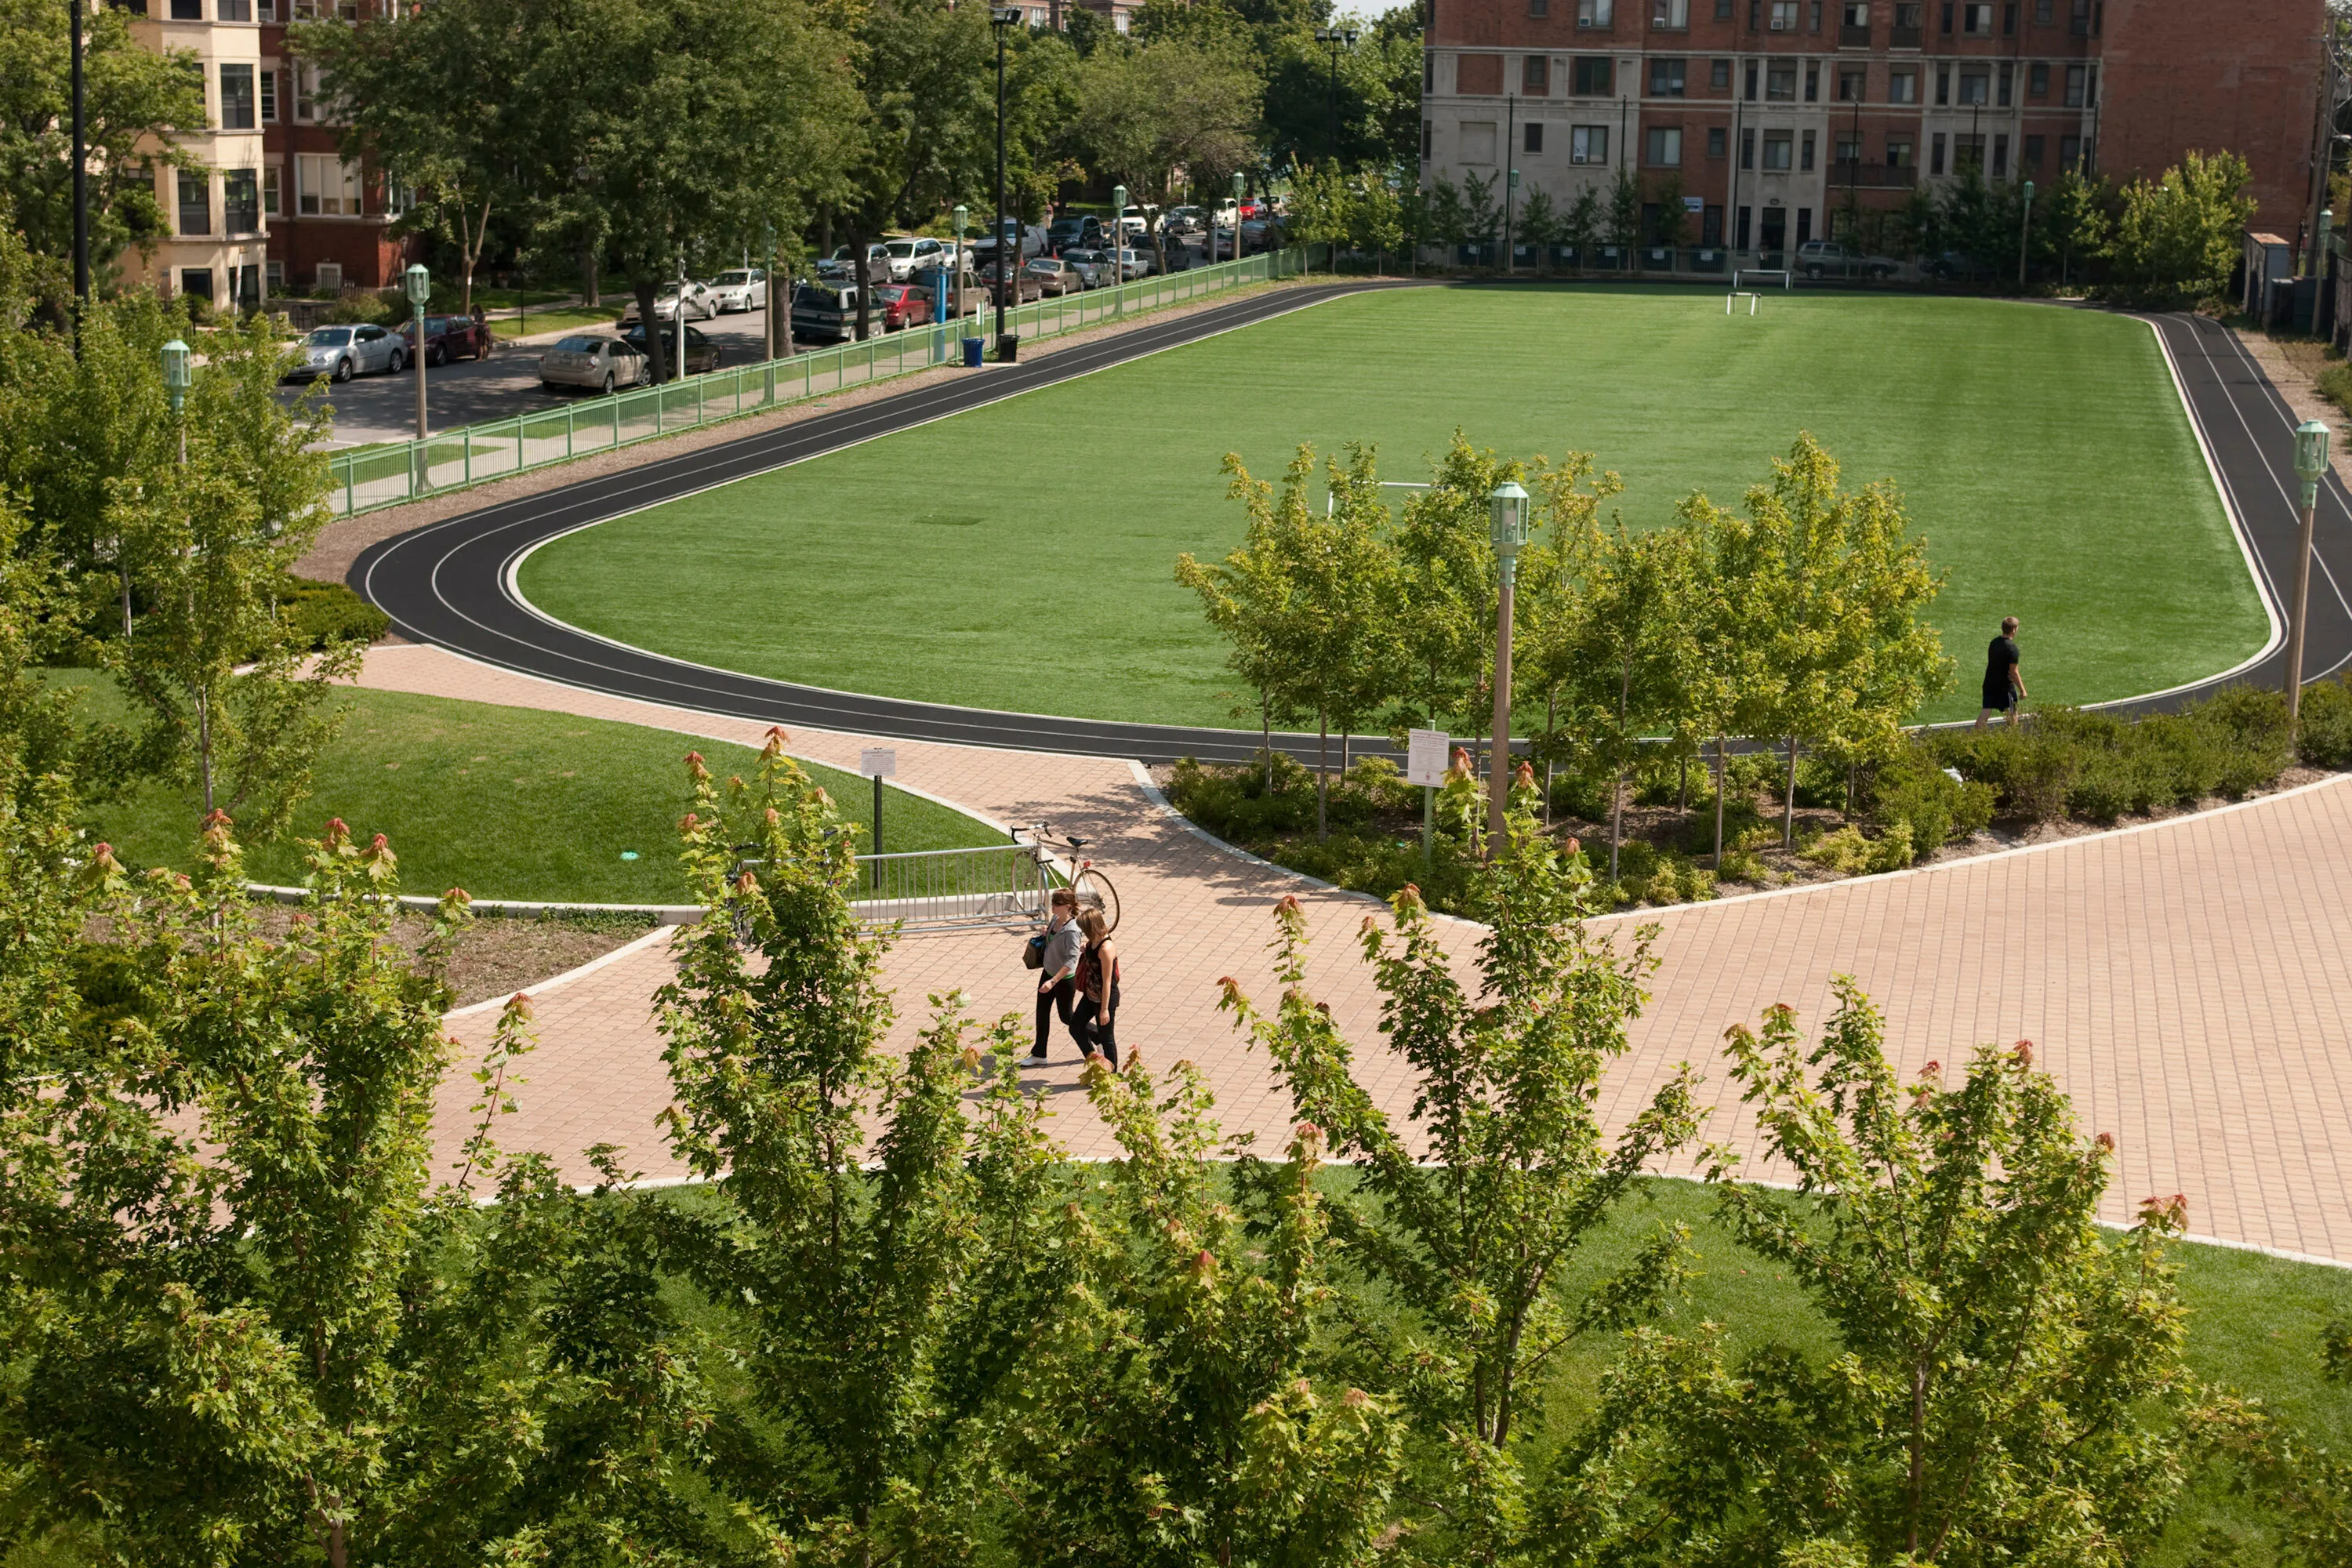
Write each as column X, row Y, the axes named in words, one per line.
column 972, row 347
column 1008, row 348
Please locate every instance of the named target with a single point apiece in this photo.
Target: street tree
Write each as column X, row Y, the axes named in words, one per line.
column 2177, row 236
column 1147, row 111
column 1467, row 1224
column 1632, row 656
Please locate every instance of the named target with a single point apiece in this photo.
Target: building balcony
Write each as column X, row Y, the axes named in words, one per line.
column 1852, row 37
column 1870, row 178
column 1900, row 37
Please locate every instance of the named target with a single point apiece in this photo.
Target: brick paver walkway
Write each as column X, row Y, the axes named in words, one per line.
column 2185, row 982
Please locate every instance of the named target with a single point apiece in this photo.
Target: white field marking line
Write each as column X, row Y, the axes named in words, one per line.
column 2287, row 414
column 659, row 933
column 652, row 473
column 676, row 729
column 510, row 571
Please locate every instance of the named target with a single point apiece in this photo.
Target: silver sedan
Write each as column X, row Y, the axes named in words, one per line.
column 342, row 352
column 598, row 363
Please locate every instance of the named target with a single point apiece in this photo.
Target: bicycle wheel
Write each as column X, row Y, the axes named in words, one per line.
column 1095, row 892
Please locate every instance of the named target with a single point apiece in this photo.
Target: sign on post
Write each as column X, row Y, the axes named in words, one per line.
column 877, row 762
column 1425, row 757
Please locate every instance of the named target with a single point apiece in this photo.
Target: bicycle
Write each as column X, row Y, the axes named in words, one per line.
column 1085, row 878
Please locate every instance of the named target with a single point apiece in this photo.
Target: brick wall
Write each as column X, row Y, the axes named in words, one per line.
column 2243, row 75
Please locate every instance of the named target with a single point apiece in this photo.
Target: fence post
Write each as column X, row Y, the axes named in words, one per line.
column 567, row 429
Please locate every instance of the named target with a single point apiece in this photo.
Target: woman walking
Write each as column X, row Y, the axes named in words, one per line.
column 1096, row 1019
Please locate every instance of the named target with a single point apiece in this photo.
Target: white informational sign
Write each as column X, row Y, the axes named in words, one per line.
column 1425, row 757
column 877, row 762
column 1694, row 203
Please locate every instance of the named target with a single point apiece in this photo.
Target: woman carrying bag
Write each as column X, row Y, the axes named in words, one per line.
column 1096, row 1019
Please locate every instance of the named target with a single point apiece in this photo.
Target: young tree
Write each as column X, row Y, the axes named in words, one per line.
column 1376, row 218
column 1448, row 219
column 2073, row 219
column 2177, row 236
column 1445, row 628
column 2007, row 1384
column 1146, row 113
column 1632, row 655
column 1580, row 226
column 1624, row 214
column 1540, row 225
column 1482, row 214
column 1672, row 227
column 1320, row 209
column 1247, row 596
column 1468, row 1223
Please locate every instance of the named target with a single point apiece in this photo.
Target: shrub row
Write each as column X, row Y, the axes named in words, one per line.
column 325, row 612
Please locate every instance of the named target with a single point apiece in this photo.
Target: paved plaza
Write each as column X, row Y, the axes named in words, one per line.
column 2186, row 981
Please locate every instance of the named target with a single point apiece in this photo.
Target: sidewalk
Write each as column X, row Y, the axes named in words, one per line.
column 2183, row 980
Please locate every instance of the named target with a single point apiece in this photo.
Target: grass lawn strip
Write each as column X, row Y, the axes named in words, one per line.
column 1019, row 556
column 507, row 802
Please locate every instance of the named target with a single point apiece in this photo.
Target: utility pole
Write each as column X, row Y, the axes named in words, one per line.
column 1003, row 20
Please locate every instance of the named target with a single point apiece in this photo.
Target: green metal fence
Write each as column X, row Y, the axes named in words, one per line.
column 388, row 475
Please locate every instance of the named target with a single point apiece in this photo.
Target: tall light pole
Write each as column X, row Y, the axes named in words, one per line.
column 1003, row 19
column 1241, row 183
column 1510, row 251
column 955, row 286
column 1118, row 248
column 81, row 181
column 2024, row 233
column 1508, row 518
column 419, row 284
column 1335, row 37
column 2310, row 463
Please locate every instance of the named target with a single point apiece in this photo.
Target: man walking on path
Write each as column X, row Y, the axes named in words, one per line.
column 1057, row 989
column 2004, row 687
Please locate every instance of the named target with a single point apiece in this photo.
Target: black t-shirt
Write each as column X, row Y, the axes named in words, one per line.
column 2000, row 657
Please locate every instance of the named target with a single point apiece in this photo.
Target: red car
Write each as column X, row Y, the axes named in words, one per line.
column 448, row 338
column 902, row 306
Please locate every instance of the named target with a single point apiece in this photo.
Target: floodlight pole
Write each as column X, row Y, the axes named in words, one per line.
column 1002, row 20
column 2310, row 463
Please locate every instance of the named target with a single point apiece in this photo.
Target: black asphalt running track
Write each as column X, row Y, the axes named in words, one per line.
column 451, row 582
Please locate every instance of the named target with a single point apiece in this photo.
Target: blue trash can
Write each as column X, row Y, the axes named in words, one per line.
column 972, row 347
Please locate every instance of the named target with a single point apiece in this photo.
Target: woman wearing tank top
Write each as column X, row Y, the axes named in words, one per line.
column 1096, row 1018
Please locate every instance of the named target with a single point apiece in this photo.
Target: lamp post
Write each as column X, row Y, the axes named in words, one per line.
column 955, row 288
column 1510, row 251
column 2025, row 232
column 1508, row 519
column 419, row 284
column 81, row 181
column 1335, row 37
column 2310, row 463
column 1118, row 249
column 1241, row 183
column 1003, row 20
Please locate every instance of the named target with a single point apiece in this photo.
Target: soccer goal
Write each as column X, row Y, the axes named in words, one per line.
column 1763, row 276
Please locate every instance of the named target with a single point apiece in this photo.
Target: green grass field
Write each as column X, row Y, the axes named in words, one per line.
column 507, row 802
column 1020, row 556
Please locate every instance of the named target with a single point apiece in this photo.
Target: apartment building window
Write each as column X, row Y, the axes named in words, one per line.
column 1674, row 14
column 1667, row 79
column 1780, row 81
column 269, row 97
column 1595, row 13
column 2001, row 157
column 274, row 275
column 269, row 10
column 1805, row 151
column 240, row 201
column 2037, row 80
column 1943, row 85
column 1784, row 16
column 2080, row 24
column 1857, row 13
column 1664, row 147
column 1976, row 88
column 326, row 187
column 1908, row 26
column 1718, row 142
column 1594, row 76
column 1750, row 84
column 1903, row 87
column 1710, row 227
column 1968, row 154
column 1778, row 146
column 2008, row 84
column 195, row 202
column 1535, row 75
column 2070, row 152
column 2009, row 19
column 1588, row 143
column 1935, row 153
column 1901, row 153
column 1813, row 16
column 233, row 10
column 1723, row 10
column 1428, row 138
column 1719, row 76
column 1947, row 17
column 196, row 281
column 2077, row 77
column 236, row 98
column 273, row 200
column 2030, row 157
column 1533, row 142
column 187, row 10
column 305, row 92
column 1812, row 81
column 1976, row 20
column 1747, row 148
column 1854, row 84
column 1539, row 9
column 1849, row 150
column 1428, row 73
column 2041, row 16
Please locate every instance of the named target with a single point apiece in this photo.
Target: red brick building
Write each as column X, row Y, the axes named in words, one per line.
column 329, row 221
column 1777, row 116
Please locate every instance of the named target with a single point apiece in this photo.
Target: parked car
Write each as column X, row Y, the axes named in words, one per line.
column 901, row 305
column 836, row 269
column 448, row 338
column 824, row 309
column 1055, row 276
column 743, row 288
column 1093, row 267
column 598, row 363
column 1179, row 255
column 1953, row 265
column 1069, row 234
column 910, row 253
column 930, row 280
column 1185, row 220
column 1023, row 288
column 701, row 303
column 1132, row 264
column 1828, row 259
column 342, row 352
column 702, row 355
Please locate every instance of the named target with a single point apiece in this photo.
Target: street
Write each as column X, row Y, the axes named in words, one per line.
column 474, row 392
